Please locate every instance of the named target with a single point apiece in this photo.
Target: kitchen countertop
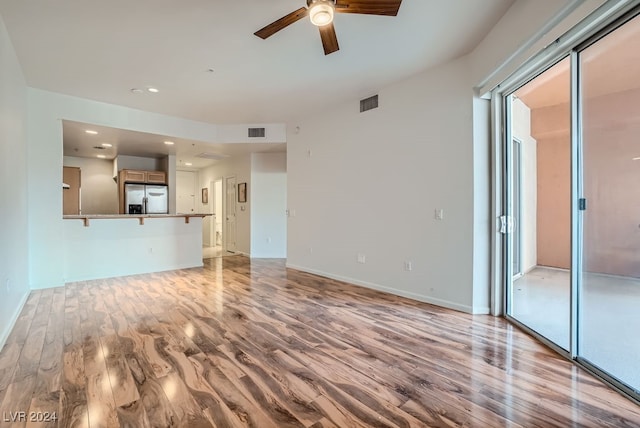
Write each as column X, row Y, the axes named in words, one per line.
column 141, row 217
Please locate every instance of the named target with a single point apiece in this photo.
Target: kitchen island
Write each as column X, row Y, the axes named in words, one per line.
column 104, row 246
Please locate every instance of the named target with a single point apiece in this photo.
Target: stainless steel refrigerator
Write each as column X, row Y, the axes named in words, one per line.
column 146, row 199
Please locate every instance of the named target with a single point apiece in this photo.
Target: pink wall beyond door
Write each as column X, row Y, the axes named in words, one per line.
column 611, row 180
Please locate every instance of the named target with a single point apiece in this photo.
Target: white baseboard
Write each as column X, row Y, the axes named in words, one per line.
column 414, row 296
column 178, row 266
column 4, row 335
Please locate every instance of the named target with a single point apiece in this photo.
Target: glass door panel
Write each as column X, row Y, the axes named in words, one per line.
column 539, row 188
column 609, row 311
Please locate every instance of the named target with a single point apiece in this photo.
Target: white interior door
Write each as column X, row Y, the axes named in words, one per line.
column 185, row 191
column 230, row 215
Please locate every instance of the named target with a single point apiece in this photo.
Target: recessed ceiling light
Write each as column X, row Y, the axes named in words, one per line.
column 188, row 163
column 101, row 156
column 90, row 131
column 169, row 143
column 152, row 89
column 106, row 145
column 635, row 159
column 137, row 90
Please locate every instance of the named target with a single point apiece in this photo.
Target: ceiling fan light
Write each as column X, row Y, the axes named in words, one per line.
column 321, row 12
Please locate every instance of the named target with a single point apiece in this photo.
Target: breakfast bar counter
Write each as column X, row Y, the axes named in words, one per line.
column 86, row 218
column 103, row 246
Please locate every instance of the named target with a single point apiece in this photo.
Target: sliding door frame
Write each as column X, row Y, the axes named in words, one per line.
column 604, row 20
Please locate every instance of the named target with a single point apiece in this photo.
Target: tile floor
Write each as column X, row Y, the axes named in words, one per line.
column 215, row 252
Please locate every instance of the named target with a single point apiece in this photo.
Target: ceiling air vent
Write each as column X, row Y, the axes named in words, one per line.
column 256, row 132
column 369, row 103
column 214, row 156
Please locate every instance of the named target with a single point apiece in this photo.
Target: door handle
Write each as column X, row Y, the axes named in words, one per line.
column 506, row 224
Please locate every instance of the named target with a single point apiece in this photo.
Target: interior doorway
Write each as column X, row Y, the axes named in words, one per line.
column 215, row 231
column 229, row 221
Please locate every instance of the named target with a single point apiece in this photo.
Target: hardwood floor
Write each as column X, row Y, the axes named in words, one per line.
column 250, row 343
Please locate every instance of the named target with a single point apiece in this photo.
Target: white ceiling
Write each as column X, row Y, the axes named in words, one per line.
column 100, row 50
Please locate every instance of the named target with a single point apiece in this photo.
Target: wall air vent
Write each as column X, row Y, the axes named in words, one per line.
column 369, row 103
column 256, row 132
column 214, row 156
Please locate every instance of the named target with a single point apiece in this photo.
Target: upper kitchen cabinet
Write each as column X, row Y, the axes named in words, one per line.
column 135, row 176
column 156, row 177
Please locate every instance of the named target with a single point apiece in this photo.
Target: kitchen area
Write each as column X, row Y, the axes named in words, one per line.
column 119, row 205
column 135, row 202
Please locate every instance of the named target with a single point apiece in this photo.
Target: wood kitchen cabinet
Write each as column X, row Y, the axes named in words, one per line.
column 139, row 177
column 132, row 176
column 150, row 177
column 156, row 177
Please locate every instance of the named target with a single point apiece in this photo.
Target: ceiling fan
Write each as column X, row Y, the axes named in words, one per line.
column 321, row 14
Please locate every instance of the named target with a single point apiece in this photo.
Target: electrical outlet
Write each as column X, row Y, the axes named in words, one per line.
column 310, row 250
column 438, row 214
column 408, row 266
column 362, row 258
column 269, row 240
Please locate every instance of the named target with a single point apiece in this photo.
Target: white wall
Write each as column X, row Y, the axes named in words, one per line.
column 528, row 224
column 268, row 199
column 141, row 163
column 99, row 192
column 14, row 268
column 412, row 155
column 481, row 206
column 240, row 167
column 168, row 164
column 118, row 247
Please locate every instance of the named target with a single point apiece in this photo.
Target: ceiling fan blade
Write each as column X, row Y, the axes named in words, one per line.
column 369, row 7
column 329, row 38
column 281, row 23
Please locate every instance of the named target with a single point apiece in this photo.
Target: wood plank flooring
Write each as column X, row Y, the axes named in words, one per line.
column 249, row 343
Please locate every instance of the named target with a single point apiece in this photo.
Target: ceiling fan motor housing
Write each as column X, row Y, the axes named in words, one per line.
column 321, row 11
column 310, row 2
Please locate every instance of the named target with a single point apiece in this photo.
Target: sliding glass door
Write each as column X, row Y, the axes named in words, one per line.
column 572, row 204
column 539, row 182
column 610, row 288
